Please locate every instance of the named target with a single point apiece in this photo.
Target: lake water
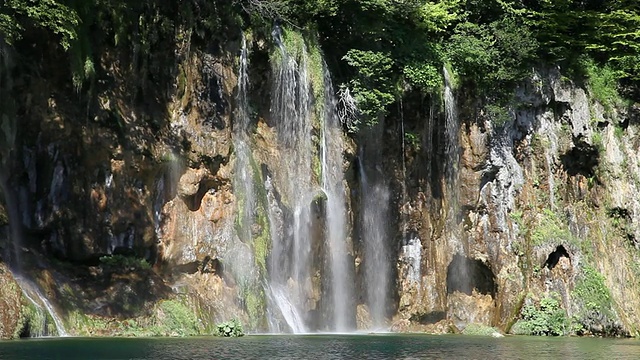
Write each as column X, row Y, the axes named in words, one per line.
column 323, row 347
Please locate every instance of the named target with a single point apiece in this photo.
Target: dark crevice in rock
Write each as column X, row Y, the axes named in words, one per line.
column 489, row 175
column 582, row 159
column 211, row 266
column 465, row 275
column 619, row 213
column 554, row 257
column 429, row 318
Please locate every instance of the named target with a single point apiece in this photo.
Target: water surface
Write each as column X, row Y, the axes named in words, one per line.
column 323, row 347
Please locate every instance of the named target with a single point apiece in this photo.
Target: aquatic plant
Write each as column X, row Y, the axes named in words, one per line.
column 231, row 328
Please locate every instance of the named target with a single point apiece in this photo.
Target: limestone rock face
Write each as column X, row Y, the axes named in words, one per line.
column 512, row 214
column 543, row 199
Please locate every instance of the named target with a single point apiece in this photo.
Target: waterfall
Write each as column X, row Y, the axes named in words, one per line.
column 280, row 303
column 405, row 204
column 291, row 109
column 452, row 147
column 8, row 131
column 29, row 289
column 16, row 236
column 333, row 186
column 244, row 171
column 452, row 178
column 375, row 229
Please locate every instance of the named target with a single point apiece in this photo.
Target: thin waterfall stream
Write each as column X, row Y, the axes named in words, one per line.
column 291, row 108
column 452, row 178
column 333, row 186
column 29, row 289
column 375, row 227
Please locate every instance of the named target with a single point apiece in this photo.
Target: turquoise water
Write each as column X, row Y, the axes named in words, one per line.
column 323, row 347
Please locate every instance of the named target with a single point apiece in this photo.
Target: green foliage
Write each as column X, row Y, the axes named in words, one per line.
column 547, row 318
column 51, row 15
column 231, row 328
column 493, row 56
column 499, row 115
column 592, row 292
column 412, row 140
column 177, row 318
column 423, row 76
column 550, row 228
column 124, row 263
column 372, row 84
column 603, row 83
column 595, row 305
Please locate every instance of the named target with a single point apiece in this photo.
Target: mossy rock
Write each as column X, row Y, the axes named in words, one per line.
column 10, row 305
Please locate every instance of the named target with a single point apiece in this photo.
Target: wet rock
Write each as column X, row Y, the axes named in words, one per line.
column 474, row 308
column 363, row 317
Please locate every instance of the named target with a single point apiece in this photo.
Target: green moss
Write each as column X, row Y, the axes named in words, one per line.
column 479, row 330
column 592, row 292
column 87, row 325
column 255, row 305
column 176, row 318
column 262, row 242
column 596, row 139
column 34, row 321
column 315, row 68
column 550, row 228
column 317, row 167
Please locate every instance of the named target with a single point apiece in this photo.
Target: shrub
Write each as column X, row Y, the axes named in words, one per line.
column 596, row 315
column 603, row 84
column 548, row 318
column 124, row 263
column 231, row 328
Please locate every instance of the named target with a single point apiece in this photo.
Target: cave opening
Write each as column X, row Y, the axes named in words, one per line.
column 465, row 274
column 554, row 257
column 582, row 159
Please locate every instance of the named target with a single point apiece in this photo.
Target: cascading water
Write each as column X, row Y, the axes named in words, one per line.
column 29, row 289
column 333, row 186
column 16, row 236
column 291, row 108
column 244, row 170
column 280, row 305
column 375, row 229
column 452, row 177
